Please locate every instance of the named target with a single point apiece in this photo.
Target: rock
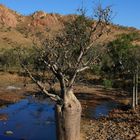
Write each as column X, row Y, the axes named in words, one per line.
column 8, row 132
column 3, row 117
column 13, row 88
column 48, row 122
column 7, row 17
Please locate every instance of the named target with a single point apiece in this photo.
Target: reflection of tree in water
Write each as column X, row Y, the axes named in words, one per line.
column 101, row 110
column 42, row 110
column 38, row 113
column 40, row 100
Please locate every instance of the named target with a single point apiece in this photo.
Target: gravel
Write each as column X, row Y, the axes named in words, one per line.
column 119, row 125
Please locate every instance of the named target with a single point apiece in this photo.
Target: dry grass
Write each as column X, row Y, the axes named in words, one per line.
column 9, row 79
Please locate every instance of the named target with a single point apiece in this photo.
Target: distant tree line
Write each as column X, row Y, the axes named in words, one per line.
column 116, row 65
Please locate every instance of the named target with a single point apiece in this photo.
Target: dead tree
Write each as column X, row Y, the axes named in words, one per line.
column 71, row 52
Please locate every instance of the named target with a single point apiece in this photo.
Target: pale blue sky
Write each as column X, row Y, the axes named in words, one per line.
column 127, row 11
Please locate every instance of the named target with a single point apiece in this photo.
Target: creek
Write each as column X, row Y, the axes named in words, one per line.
column 34, row 119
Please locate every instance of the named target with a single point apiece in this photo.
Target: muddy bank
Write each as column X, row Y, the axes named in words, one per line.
column 13, row 89
column 12, row 94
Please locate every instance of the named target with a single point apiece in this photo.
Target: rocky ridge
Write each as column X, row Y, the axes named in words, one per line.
column 19, row 30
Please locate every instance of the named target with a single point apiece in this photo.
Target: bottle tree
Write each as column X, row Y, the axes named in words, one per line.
column 72, row 51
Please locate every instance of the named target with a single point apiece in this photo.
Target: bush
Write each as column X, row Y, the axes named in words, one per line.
column 96, row 69
column 107, row 83
column 9, row 58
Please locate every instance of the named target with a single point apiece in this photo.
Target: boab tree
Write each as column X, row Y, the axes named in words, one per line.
column 72, row 51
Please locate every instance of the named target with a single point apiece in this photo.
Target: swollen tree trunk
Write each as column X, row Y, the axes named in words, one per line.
column 68, row 118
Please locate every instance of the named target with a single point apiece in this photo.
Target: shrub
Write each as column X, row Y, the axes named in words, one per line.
column 107, row 83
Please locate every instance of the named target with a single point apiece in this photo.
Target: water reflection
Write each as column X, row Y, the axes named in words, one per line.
column 30, row 119
column 100, row 110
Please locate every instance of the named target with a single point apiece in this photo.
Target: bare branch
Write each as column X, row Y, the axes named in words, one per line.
column 56, row 71
column 83, row 69
column 52, row 96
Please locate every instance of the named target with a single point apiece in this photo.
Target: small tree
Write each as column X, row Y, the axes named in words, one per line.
column 124, row 58
column 72, row 51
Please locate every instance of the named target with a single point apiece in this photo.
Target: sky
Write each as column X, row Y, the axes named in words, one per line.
column 126, row 12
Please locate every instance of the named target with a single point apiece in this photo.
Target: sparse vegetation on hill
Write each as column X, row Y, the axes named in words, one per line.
column 18, row 30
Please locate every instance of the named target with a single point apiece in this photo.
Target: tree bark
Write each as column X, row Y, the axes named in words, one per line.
column 68, row 118
column 134, row 92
